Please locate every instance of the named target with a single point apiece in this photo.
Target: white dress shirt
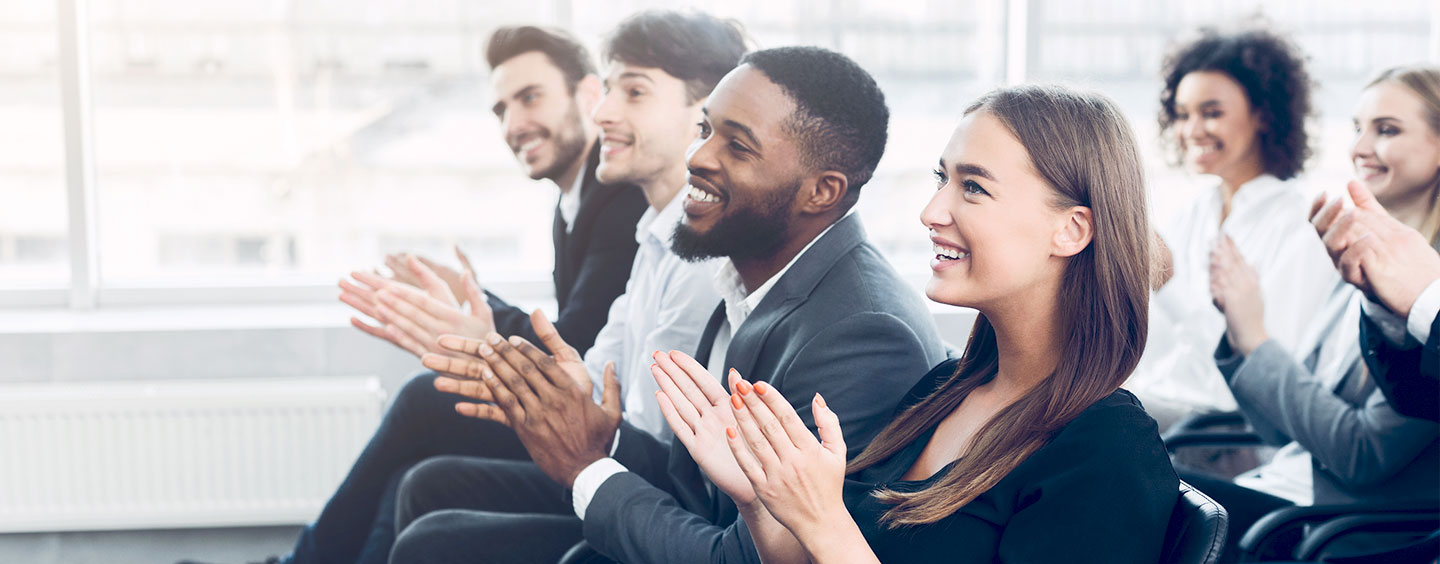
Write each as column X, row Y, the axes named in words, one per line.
column 570, row 200
column 665, row 306
column 1269, row 223
column 738, row 307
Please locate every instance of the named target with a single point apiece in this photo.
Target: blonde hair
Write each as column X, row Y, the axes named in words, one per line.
column 1424, row 82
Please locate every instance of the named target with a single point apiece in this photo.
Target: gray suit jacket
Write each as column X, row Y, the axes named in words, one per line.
column 840, row 322
column 1361, row 449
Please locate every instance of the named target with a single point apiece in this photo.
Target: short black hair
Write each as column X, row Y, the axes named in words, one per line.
column 840, row 115
column 1272, row 72
column 567, row 53
column 695, row 47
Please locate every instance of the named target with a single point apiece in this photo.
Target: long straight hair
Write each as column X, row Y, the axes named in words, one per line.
column 1085, row 150
column 1424, row 83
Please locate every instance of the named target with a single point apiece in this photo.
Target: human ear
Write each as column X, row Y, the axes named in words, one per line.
column 823, row 193
column 1073, row 233
column 587, row 93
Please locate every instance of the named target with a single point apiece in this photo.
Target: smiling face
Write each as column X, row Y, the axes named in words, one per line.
column 1215, row 127
column 646, row 120
column 1395, row 154
column 993, row 222
column 744, row 171
column 542, row 121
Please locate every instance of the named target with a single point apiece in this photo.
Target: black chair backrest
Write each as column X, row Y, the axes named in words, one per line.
column 1196, row 534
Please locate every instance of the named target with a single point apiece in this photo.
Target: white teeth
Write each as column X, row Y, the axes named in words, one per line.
column 948, row 253
column 531, row 144
column 700, row 195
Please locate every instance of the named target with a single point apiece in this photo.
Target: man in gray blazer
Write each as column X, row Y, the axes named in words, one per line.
column 809, row 306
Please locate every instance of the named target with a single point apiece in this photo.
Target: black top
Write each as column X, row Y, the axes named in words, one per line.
column 1101, row 491
column 592, row 261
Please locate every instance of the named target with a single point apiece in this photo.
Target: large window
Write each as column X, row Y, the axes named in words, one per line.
column 33, row 234
column 242, row 148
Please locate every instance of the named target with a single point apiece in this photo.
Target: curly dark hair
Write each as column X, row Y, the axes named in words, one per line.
column 1271, row 70
column 840, row 118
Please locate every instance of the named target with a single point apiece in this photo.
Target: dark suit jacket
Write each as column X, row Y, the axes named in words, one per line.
column 1410, row 378
column 592, row 261
column 840, row 322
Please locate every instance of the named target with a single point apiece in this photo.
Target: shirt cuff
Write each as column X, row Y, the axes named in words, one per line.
column 1391, row 325
column 1423, row 313
column 589, row 481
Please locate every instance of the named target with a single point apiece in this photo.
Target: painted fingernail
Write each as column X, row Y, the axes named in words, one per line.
column 760, row 388
column 735, row 373
column 735, row 401
column 742, row 387
column 655, row 355
column 494, row 338
column 730, row 432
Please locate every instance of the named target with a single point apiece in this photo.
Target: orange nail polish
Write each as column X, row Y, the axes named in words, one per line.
column 735, row 401
column 742, row 387
column 730, row 432
column 760, row 388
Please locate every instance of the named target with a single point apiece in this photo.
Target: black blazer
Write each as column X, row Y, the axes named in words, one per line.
column 1409, row 378
column 840, row 322
column 592, row 261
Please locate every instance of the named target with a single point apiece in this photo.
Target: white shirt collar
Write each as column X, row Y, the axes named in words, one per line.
column 738, row 304
column 570, row 200
column 658, row 227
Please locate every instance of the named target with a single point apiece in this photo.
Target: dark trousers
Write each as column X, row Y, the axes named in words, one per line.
column 357, row 524
column 453, row 509
column 1245, row 506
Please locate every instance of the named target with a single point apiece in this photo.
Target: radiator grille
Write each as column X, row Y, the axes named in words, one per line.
column 178, row 454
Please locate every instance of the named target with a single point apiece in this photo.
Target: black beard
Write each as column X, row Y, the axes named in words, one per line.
column 569, row 145
column 753, row 232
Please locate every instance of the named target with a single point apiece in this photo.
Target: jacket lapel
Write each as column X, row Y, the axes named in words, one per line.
column 789, row 292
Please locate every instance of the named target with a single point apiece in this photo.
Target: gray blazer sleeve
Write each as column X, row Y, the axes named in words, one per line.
column 863, row 365
column 1360, row 444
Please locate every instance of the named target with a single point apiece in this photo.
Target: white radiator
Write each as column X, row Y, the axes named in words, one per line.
column 100, row 456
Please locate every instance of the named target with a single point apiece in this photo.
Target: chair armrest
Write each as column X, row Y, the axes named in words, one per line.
column 1323, row 535
column 1212, row 438
column 1288, row 517
column 1203, row 420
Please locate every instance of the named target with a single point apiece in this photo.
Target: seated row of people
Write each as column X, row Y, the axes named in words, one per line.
column 768, row 388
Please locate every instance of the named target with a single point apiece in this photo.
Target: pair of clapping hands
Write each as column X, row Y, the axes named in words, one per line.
column 1389, row 261
column 420, row 301
column 751, row 443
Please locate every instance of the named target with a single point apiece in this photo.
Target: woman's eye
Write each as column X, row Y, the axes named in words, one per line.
column 1211, row 115
column 940, row 178
column 972, row 188
column 1389, row 131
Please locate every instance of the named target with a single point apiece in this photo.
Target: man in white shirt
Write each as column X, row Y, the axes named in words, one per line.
column 787, row 140
column 646, row 119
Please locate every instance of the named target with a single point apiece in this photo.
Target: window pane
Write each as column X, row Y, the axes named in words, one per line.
column 256, row 142
column 33, row 229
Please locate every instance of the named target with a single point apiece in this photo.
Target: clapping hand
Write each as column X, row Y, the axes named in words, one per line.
column 798, row 478
column 411, row 317
column 1388, row 260
column 1235, row 289
column 698, row 410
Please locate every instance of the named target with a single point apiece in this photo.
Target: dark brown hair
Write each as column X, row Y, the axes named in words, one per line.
column 1085, row 150
column 695, row 47
column 563, row 50
column 1271, row 71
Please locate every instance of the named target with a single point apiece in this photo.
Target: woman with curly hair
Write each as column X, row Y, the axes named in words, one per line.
column 1234, row 105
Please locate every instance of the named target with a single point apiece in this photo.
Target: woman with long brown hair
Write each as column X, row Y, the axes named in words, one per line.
column 1023, row 450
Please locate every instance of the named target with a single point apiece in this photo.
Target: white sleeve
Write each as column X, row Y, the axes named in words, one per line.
column 1424, row 312
column 589, row 481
